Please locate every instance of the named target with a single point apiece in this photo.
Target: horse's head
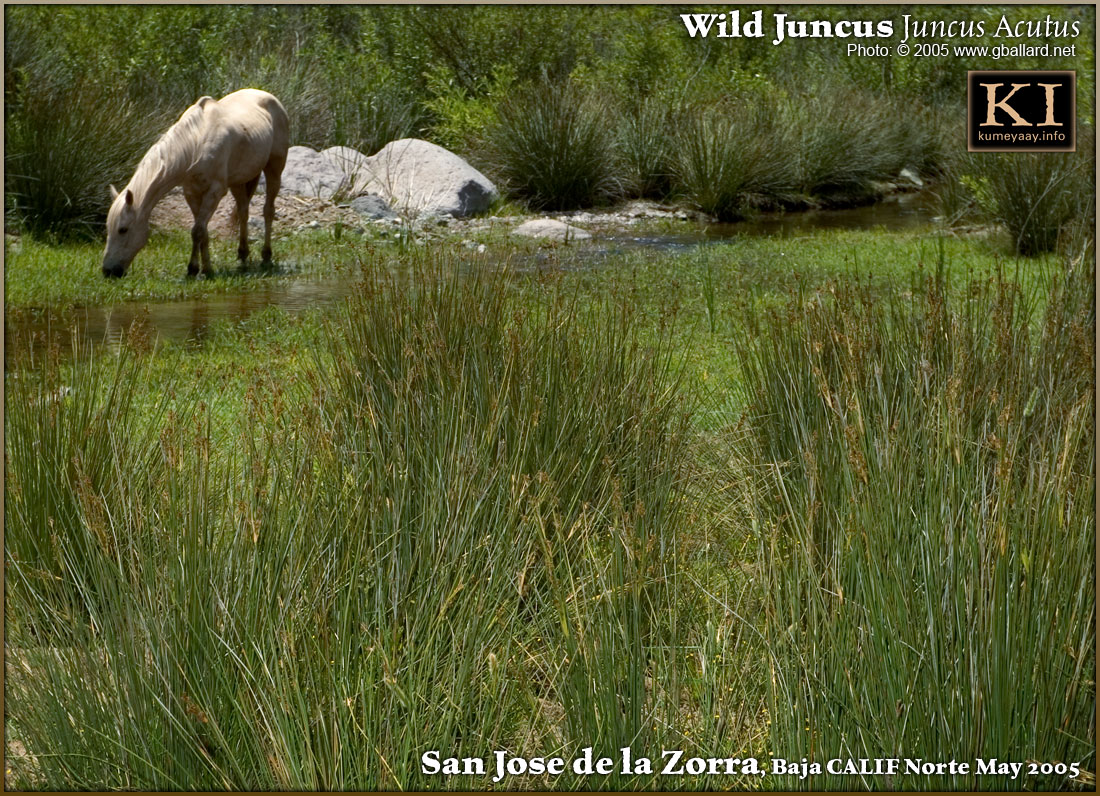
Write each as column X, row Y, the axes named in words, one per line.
column 127, row 232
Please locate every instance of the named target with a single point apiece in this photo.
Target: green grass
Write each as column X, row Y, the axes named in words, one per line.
column 40, row 275
column 480, row 508
column 529, row 483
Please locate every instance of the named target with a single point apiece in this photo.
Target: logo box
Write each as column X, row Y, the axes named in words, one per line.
column 1021, row 111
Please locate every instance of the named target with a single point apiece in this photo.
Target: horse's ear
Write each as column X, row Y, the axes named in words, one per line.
column 129, row 197
column 114, row 193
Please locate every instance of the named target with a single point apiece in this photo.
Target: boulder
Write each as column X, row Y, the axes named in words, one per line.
column 372, row 206
column 312, row 173
column 417, row 177
column 549, row 229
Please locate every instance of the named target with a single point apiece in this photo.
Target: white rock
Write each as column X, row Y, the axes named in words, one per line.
column 420, row 178
column 909, row 177
column 550, row 229
column 312, row 173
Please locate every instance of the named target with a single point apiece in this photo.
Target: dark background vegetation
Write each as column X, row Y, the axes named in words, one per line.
column 565, row 106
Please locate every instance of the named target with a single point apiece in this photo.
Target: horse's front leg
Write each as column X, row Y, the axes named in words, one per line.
column 202, row 207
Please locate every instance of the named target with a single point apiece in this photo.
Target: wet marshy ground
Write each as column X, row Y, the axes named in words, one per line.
column 189, row 320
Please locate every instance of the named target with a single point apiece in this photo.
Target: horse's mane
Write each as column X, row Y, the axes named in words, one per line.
column 173, row 152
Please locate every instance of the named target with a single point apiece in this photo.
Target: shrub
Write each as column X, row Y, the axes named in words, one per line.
column 552, row 146
column 728, row 155
column 645, row 145
column 66, row 143
column 297, row 82
column 373, row 119
column 1035, row 195
column 461, row 116
column 847, row 139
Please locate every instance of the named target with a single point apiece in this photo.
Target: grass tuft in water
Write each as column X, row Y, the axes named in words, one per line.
column 727, row 155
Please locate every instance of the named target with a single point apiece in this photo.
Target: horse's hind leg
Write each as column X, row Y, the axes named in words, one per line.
column 243, row 195
column 273, row 174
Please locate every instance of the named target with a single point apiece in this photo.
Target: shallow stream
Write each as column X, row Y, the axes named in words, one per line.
column 190, row 319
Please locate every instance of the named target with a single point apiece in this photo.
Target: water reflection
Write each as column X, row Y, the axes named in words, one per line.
column 896, row 213
column 187, row 321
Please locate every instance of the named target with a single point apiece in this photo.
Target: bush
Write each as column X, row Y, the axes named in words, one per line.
column 372, row 109
column 552, row 146
column 846, row 139
column 730, row 155
column 460, row 116
column 369, row 122
column 299, row 84
column 1035, row 195
column 645, row 146
column 66, row 143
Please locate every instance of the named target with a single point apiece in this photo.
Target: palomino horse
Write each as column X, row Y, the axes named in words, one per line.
column 217, row 145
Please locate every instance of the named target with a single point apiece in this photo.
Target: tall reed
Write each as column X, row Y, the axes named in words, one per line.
column 80, row 452
column 927, row 525
column 459, row 533
column 67, row 141
column 552, row 145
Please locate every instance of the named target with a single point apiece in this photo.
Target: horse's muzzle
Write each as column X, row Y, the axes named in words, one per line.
column 114, row 271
